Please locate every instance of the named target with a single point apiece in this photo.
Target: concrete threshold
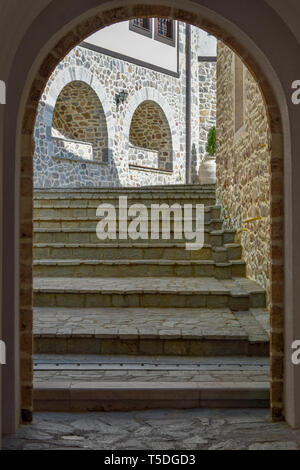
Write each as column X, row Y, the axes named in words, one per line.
column 125, row 396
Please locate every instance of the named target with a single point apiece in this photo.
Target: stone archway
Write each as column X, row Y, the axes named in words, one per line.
column 150, row 94
column 81, row 29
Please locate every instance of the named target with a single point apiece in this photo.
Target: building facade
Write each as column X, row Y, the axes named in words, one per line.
column 133, row 115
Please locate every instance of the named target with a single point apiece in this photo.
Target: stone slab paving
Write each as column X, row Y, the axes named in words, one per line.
column 194, row 429
column 219, row 323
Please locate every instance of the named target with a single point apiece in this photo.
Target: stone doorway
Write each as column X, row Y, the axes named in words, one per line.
column 27, row 155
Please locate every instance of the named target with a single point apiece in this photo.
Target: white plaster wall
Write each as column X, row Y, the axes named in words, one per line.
column 120, row 39
column 207, row 44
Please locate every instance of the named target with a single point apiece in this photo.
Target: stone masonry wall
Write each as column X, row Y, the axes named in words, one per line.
column 107, row 77
column 79, row 116
column 150, row 130
column 243, row 167
column 62, row 162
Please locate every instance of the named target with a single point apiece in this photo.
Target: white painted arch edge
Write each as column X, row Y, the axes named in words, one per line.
column 79, row 73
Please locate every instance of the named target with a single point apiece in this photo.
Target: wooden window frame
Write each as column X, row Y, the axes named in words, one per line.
column 148, row 32
column 164, row 39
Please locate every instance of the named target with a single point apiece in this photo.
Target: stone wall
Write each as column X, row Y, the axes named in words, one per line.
column 63, row 160
column 79, row 116
column 150, row 130
column 243, row 166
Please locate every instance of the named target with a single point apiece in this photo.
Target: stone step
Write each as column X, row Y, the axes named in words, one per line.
column 170, row 189
column 149, row 331
column 132, row 193
column 138, row 251
column 207, row 199
column 135, row 268
column 93, row 203
column 236, row 294
column 152, row 187
column 122, row 368
column 224, row 381
column 81, row 204
column 77, row 235
column 92, row 222
column 89, row 213
column 72, row 396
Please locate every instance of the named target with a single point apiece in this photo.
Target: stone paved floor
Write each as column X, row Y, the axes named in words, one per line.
column 215, row 323
column 156, row 430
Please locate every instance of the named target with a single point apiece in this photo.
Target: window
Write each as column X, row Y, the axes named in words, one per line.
column 238, row 94
column 165, row 31
column 142, row 26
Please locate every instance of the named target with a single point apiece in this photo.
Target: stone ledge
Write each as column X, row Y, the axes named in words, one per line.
column 120, row 396
column 149, row 345
column 144, row 262
column 149, row 331
column 141, row 190
column 149, row 169
column 80, row 160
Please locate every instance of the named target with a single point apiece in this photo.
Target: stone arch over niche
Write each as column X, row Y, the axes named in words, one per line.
column 150, row 130
column 79, row 124
column 60, row 79
column 142, row 101
column 57, row 156
column 85, row 20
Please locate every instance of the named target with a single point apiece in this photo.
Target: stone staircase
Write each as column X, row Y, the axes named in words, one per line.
column 143, row 297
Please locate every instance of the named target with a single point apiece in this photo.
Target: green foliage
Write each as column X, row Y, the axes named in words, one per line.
column 211, row 142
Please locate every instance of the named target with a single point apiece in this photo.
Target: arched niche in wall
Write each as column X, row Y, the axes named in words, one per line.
column 142, row 100
column 79, row 126
column 150, row 131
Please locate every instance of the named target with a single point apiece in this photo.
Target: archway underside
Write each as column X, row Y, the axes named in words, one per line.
column 76, row 35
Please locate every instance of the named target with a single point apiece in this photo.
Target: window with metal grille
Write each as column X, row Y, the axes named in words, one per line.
column 165, row 31
column 141, row 26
